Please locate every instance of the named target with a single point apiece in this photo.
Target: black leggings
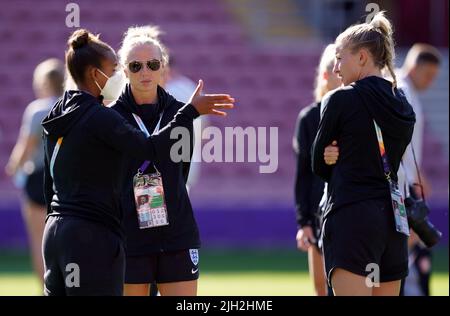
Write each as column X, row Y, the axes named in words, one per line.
column 82, row 257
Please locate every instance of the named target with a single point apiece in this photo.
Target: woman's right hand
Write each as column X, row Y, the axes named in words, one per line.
column 210, row 103
column 305, row 238
column 10, row 170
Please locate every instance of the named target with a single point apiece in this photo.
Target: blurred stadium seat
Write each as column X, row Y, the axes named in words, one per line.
column 209, row 41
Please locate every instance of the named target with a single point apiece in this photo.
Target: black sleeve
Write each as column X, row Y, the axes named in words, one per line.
column 303, row 138
column 111, row 128
column 186, row 165
column 48, row 181
column 325, row 135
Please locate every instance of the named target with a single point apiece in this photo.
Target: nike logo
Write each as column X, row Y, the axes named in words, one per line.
column 194, row 271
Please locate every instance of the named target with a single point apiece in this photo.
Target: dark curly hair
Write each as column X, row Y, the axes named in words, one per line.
column 85, row 49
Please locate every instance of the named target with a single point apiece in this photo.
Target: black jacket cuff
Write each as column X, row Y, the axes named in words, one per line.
column 305, row 222
column 190, row 111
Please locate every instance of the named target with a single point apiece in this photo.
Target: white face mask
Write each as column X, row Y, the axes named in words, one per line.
column 113, row 86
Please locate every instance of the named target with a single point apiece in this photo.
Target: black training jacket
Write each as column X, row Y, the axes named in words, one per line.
column 182, row 231
column 308, row 186
column 348, row 118
column 88, row 175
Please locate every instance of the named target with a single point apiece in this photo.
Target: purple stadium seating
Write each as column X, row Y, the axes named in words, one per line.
column 270, row 86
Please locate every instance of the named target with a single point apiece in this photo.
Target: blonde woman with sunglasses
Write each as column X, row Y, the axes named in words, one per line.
column 166, row 255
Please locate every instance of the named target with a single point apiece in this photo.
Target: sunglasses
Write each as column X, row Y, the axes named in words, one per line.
column 136, row 66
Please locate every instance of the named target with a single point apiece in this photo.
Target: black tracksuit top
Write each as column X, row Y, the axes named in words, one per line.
column 88, row 174
column 347, row 117
column 182, row 231
column 308, row 186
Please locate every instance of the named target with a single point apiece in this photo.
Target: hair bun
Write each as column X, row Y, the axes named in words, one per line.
column 376, row 24
column 79, row 39
column 381, row 24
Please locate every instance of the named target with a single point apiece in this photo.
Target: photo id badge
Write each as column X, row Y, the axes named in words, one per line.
column 150, row 202
column 398, row 205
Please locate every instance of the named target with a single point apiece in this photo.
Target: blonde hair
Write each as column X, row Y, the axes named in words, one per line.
column 140, row 35
column 326, row 65
column 50, row 71
column 376, row 37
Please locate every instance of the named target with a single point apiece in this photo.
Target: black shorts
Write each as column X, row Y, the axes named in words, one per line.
column 316, row 227
column 82, row 257
column 363, row 233
column 34, row 187
column 163, row 267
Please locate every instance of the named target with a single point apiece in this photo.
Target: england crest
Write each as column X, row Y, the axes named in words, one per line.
column 194, row 256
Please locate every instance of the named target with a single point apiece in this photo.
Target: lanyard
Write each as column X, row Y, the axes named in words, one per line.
column 384, row 158
column 52, row 160
column 55, row 153
column 141, row 125
column 418, row 173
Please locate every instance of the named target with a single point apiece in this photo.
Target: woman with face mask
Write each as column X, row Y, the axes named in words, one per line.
column 364, row 235
column 166, row 254
column 85, row 144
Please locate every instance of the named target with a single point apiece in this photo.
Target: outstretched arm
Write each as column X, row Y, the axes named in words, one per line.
column 113, row 129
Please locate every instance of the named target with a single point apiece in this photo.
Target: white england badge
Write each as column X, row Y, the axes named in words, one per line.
column 194, row 256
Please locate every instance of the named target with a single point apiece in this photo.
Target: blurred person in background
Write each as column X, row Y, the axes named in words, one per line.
column 86, row 145
column 419, row 70
column 27, row 156
column 309, row 187
column 373, row 124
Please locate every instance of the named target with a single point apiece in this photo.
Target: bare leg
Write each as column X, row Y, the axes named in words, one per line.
column 34, row 216
column 136, row 289
column 184, row 288
column 346, row 283
column 317, row 271
column 387, row 289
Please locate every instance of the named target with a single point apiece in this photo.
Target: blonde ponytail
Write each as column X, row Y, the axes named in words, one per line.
column 377, row 38
column 381, row 23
